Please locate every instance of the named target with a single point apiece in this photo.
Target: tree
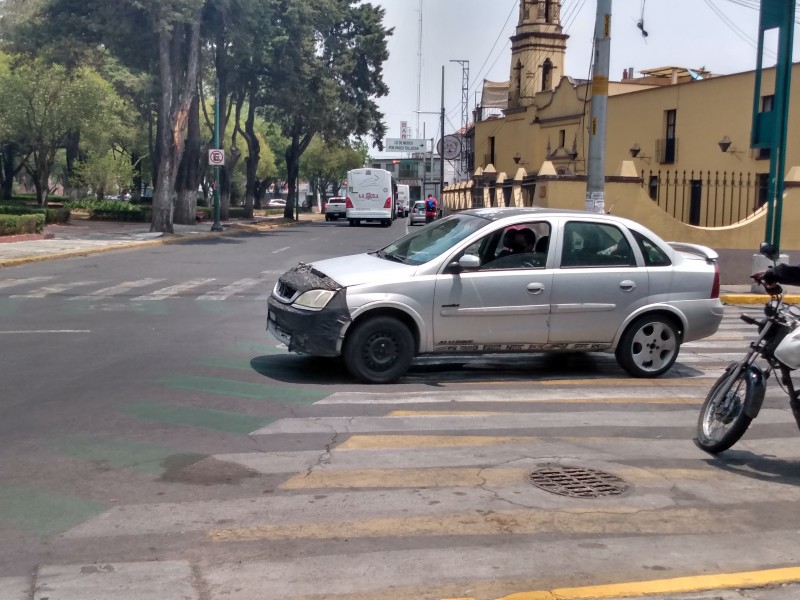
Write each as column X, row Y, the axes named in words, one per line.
column 105, row 173
column 327, row 69
column 41, row 105
column 326, row 166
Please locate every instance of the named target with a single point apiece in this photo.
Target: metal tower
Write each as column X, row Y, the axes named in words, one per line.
column 464, row 113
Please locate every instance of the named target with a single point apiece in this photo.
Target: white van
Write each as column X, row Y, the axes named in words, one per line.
column 370, row 197
column 403, row 200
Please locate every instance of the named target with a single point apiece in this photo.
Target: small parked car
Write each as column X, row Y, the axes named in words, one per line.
column 276, row 203
column 503, row 280
column 334, row 208
column 417, row 214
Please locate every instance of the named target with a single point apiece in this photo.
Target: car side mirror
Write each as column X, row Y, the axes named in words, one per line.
column 466, row 263
column 769, row 250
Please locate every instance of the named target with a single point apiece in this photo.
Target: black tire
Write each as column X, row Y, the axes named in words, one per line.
column 649, row 346
column 722, row 421
column 352, row 222
column 327, row 217
column 379, row 350
column 386, row 222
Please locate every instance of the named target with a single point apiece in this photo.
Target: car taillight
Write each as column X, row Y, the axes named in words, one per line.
column 715, row 286
column 388, row 203
column 349, row 203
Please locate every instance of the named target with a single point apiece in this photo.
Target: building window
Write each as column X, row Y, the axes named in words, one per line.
column 669, row 141
column 547, row 75
column 562, row 137
column 377, row 166
column 491, row 150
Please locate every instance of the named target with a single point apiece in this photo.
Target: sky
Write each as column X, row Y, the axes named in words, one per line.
column 719, row 35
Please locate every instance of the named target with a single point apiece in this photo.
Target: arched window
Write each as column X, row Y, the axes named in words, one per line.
column 548, row 10
column 547, row 75
column 518, row 78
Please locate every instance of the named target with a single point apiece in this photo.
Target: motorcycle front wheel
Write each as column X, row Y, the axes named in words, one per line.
column 722, row 420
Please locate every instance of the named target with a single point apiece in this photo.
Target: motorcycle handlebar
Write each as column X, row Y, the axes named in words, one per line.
column 773, row 289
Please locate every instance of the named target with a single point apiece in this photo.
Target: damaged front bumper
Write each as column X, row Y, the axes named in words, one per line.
column 303, row 330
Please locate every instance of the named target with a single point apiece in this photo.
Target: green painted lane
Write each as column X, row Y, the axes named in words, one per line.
column 44, row 514
column 243, row 389
column 207, row 418
column 117, row 453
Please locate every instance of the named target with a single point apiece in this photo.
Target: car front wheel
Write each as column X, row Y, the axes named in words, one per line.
column 649, row 346
column 379, row 350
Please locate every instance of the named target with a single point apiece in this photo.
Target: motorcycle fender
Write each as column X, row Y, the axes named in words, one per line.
column 756, row 389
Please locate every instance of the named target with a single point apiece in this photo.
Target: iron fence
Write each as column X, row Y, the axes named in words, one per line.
column 706, row 198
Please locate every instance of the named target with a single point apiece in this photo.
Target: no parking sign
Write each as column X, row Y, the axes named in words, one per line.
column 216, row 157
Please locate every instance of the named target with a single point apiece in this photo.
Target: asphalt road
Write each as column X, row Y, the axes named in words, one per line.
column 156, row 443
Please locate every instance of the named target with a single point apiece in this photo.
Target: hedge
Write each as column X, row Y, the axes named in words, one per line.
column 21, row 224
column 51, row 214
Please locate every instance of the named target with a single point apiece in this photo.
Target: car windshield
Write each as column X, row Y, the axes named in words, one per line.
column 431, row 241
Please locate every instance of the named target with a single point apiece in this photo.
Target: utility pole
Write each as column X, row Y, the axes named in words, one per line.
column 596, row 176
column 419, row 68
column 441, row 152
column 217, row 226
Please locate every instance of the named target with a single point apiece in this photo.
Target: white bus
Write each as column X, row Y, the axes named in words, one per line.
column 370, row 196
column 403, row 199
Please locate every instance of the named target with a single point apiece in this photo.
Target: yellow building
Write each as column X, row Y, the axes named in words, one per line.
column 678, row 135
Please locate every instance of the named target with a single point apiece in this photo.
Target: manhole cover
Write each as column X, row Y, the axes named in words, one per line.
column 577, row 482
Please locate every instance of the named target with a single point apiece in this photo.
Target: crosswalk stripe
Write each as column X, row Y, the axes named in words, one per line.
column 118, row 290
column 173, row 290
column 544, row 391
column 52, row 290
column 6, row 283
column 229, row 290
column 611, row 520
column 531, row 420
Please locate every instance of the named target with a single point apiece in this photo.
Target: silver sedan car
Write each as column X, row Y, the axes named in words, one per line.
column 504, row 280
column 417, row 214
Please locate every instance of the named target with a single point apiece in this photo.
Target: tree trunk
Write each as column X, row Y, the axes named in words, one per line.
column 180, row 47
column 7, row 183
column 189, row 172
column 253, row 155
column 73, row 156
column 292, row 171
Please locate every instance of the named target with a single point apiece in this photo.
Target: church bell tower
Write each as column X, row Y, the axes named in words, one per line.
column 538, row 49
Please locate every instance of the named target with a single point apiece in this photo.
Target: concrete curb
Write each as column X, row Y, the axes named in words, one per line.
column 756, row 298
column 233, row 229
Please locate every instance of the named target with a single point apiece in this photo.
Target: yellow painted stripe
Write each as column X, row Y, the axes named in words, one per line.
column 413, row 442
column 620, row 382
column 436, row 413
column 373, row 442
column 610, row 521
column 434, row 477
column 677, row 585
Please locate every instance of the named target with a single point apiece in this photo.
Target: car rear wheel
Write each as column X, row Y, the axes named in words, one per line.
column 379, row 350
column 649, row 346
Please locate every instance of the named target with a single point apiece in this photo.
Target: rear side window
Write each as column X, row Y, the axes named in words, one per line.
column 653, row 255
column 595, row 245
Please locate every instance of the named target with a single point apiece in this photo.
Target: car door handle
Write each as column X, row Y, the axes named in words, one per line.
column 627, row 285
column 535, row 288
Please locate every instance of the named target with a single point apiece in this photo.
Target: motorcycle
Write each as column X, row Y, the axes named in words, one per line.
column 736, row 397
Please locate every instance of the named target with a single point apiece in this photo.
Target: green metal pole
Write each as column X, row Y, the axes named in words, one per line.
column 217, row 226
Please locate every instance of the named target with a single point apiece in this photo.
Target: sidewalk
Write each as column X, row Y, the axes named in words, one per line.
column 81, row 237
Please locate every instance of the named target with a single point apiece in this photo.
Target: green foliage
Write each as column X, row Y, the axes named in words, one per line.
column 21, row 224
column 110, row 210
column 104, row 174
column 51, row 214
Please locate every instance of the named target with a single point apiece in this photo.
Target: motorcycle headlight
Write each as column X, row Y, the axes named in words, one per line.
column 315, row 299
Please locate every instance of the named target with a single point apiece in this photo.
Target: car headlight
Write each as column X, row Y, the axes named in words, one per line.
column 314, row 298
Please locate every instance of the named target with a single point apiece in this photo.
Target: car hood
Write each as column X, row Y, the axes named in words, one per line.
column 362, row 268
